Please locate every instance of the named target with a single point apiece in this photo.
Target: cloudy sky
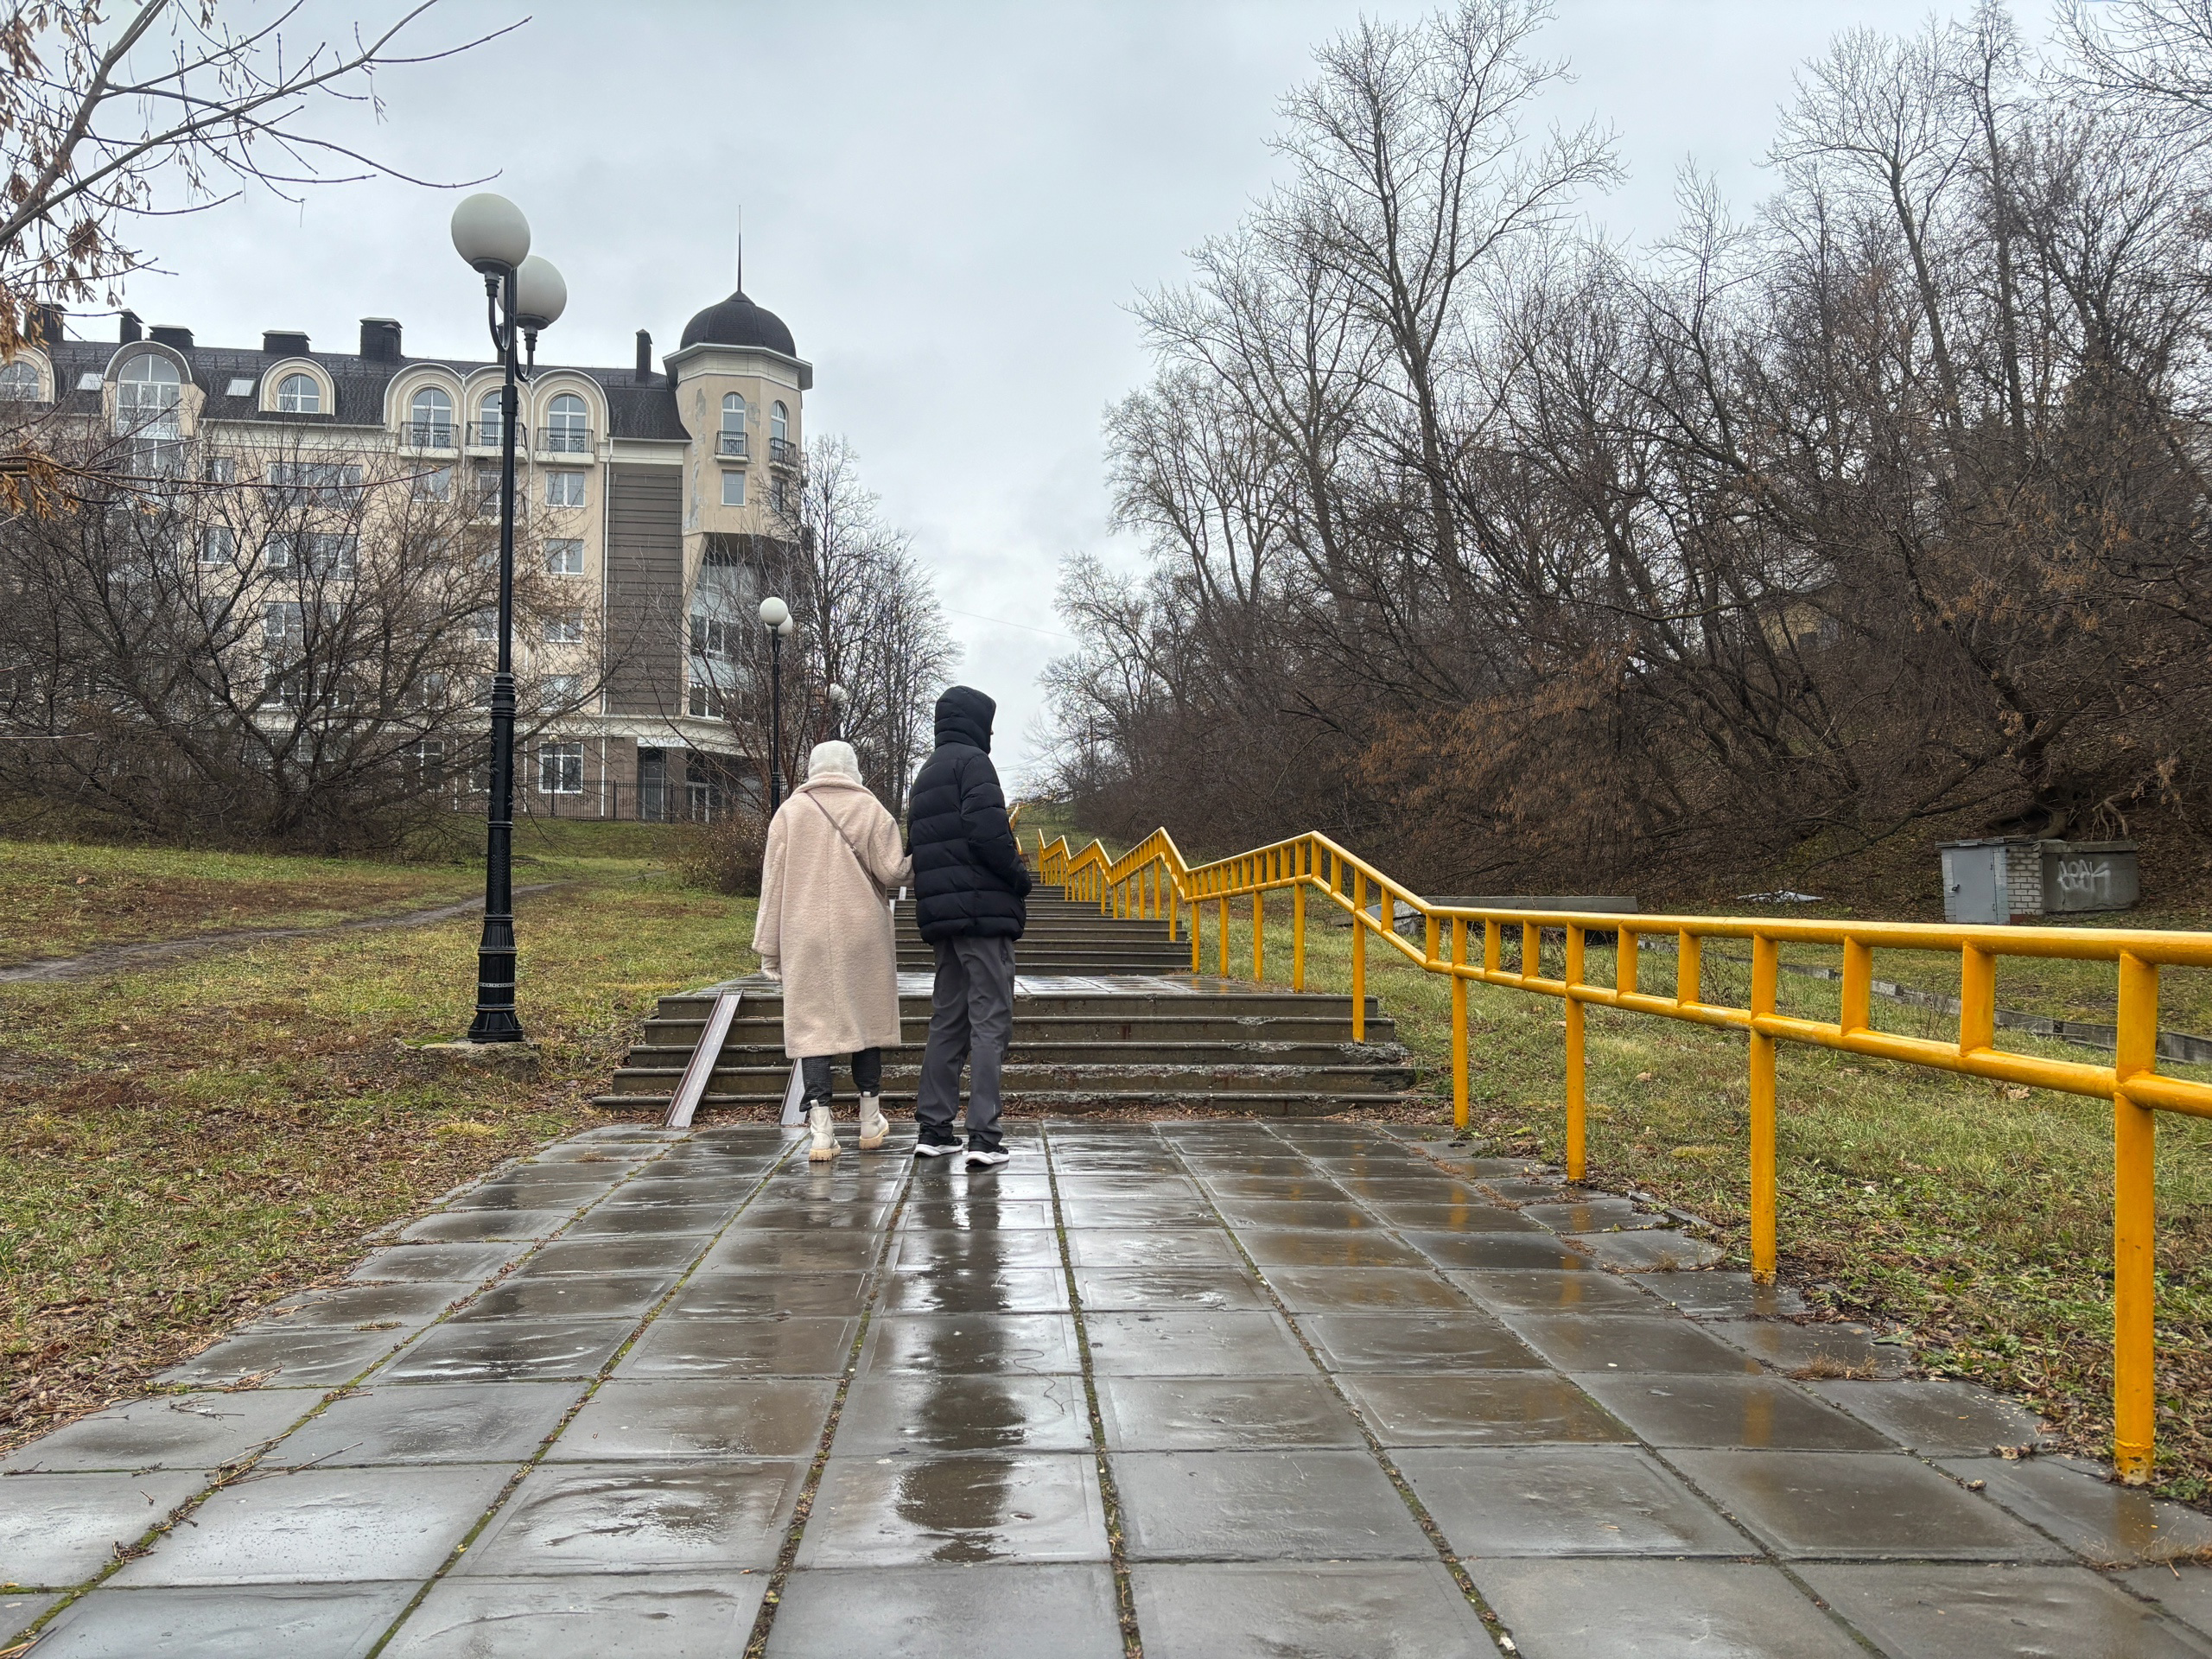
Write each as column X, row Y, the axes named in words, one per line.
column 952, row 202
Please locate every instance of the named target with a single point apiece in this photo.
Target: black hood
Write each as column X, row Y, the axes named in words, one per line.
column 963, row 716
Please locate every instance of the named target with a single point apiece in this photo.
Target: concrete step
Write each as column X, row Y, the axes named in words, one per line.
column 765, row 1047
column 766, row 1083
column 1233, row 1002
column 1064, row 1030
column 1071, row 1103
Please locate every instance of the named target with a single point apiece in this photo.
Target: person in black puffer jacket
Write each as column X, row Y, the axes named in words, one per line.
column 970, row 883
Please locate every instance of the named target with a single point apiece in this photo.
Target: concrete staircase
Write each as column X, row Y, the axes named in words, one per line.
column 1108, row 1016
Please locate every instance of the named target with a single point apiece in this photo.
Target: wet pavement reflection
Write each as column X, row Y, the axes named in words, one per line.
column 621, row 1360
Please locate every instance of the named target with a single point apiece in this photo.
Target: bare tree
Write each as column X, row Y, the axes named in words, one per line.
column 865, row 617
column 284, row 647
column 167, row 108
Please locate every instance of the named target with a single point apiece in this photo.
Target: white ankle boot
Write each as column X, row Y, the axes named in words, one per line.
column 825, row 1129
column 872, row 1125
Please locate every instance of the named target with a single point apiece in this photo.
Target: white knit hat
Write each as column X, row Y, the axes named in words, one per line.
column 833, row 759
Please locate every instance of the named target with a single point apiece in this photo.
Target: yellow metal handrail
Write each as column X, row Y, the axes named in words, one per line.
column 1152, row 878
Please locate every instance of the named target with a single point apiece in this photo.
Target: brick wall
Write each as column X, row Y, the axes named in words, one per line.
column 2024, row 877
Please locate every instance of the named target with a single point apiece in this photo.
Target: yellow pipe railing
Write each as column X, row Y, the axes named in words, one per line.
column 1313, row 864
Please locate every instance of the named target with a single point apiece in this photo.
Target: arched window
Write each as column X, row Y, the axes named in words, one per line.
column 299, row 394
column 147, row 394
column 19, row 381
column 779, row 424
column 488, row 420
column 565, row 428
column 732, row 439
column 430, row 419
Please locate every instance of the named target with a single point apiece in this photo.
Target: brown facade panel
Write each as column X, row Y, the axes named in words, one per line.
column 644, row 589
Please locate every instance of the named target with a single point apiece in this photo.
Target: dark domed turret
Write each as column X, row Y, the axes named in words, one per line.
column 738, row 321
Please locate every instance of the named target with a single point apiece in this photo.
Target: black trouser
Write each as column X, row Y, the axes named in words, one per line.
column 867, row 1074
column 971, row 1023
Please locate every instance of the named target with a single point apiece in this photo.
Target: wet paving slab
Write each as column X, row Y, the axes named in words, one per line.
column 1337, row 1382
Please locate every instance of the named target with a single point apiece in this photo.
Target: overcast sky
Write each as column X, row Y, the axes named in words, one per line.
column 951, row 202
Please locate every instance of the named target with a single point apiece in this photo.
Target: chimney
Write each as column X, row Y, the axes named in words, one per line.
column 645, row 357
column 283, row 342
column 48, row 323
column 168, row 334
column 130, row 332
column 380, row 339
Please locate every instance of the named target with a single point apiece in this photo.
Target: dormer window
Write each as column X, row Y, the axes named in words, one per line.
column 430, row 419
column 567, row 431
column 147, row 394
column 19, row 383
column 299, row 394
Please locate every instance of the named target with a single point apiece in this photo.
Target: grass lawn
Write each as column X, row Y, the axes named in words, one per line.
column 180, row 1146
column 1976, row 1217
column 58, row 898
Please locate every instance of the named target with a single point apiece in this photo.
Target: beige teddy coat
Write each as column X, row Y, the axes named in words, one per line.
column 822, row 925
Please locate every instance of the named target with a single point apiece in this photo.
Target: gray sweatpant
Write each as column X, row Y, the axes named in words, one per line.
column 971, row 1023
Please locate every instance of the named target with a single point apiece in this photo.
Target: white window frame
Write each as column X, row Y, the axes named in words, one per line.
column 560, row 767
column 564, row 555
column 565, row 628
column 567, row 427
column 148, row 395
column 289, row 398
column 22, row 376
column 564, row 487
column 433, row 430
column 780, row 423
column 733, row 487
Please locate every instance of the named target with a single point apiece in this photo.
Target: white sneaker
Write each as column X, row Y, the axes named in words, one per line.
column 874, row 1127
column 825, row 1129
column 987, row 1157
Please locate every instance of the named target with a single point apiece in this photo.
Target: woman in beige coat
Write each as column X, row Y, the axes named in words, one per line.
column 833, row 860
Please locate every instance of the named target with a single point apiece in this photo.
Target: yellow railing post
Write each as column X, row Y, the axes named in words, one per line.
column 1259, row 931
column 1858, row 985
column 1358, row 957
column 1765, row 970
column 2134, row 1227
column 1197, row 926
column 1624, row 960
column 1459, row 1023
column 1977, row 998
column 1221, row 922
column 1689, row 968
column 1298, row 937
column 1576, row 1161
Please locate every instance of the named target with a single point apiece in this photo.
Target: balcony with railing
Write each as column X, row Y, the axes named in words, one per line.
column 564, row 441
column 783, row 450
column 731, row 446
column 427, row 435
column 485, row 434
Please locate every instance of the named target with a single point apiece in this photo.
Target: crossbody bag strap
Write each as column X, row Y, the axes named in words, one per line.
column 882, row 897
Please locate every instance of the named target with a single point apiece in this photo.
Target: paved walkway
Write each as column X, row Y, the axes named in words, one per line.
column 1223, row 1388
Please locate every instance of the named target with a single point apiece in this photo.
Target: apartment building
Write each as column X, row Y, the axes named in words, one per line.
column 652, row 490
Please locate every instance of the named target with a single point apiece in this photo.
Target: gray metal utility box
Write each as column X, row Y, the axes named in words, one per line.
column 2012, row 879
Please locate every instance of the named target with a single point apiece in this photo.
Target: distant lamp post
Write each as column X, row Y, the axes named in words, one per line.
column 776, row 616
column 524, row 294
column 838, row 698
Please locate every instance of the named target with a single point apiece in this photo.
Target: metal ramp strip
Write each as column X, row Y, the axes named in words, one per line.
column 701, row 1066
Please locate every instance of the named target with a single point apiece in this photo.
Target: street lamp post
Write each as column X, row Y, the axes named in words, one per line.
column 776, row 616
column 838, row 698
column 523, row 294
